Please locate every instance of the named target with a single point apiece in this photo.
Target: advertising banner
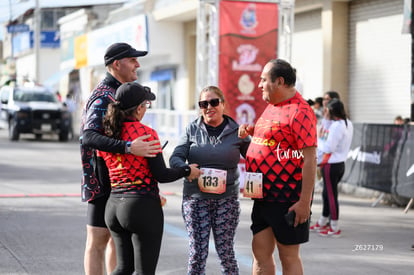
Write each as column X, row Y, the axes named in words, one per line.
column 81, row 53
column 24, row 41
column 67, row 49
column 248, row 34
column 382, row 158
column 404, row 185
column 133, row 31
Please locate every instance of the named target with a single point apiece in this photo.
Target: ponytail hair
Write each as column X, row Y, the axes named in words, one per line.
column 114, row 118
column 337, row 110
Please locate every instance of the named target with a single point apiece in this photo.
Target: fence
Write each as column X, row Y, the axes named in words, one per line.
column 170, row 125
column 382, row 158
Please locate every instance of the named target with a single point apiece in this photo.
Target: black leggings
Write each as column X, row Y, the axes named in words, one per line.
column 136, row 226
column 332, row 174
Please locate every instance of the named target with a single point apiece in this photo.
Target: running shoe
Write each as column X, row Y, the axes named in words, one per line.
column 330, row 233
column 317, row 228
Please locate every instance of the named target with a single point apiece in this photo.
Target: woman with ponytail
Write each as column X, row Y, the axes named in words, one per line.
column 333, row 150
column 133, row 212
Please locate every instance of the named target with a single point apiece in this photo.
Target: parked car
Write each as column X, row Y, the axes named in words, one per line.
column 33, row 110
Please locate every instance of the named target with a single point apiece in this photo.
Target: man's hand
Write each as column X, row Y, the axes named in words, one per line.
column 303, row 206
column 142, row 148
column 195, row 172
column 245, row 130
column 302, row 210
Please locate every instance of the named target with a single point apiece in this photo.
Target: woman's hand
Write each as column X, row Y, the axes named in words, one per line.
column 245, row 130
column 195, row 172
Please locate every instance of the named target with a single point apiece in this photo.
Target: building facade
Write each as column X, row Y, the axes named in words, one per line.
column 356, row 47
column 359, row 49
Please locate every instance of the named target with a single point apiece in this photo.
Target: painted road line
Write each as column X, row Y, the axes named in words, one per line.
column 45, row 195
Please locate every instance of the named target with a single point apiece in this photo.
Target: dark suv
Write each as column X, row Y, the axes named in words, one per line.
column 33, row 110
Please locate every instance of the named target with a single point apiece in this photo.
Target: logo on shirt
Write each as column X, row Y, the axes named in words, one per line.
column 264, row 141
column 214, row 140
column 288, row 154
column 280, row 153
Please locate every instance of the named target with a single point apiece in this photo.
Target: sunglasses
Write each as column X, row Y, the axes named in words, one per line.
column 204, row 104
column 146, row 104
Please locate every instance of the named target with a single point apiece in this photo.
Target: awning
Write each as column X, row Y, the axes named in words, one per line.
column 162, row 75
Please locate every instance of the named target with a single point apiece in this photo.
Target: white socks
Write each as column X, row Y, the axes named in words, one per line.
column 334, row 225
column 323, row 221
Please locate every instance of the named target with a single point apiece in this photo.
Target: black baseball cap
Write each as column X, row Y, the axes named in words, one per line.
column 132, row 94
column 121, row 50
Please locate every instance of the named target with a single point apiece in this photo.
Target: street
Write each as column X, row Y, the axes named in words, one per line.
column 42, row 222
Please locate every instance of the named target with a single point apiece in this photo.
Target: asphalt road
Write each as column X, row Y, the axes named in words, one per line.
column 42, row 222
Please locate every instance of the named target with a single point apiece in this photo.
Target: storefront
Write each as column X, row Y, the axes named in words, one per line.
column 359, row 49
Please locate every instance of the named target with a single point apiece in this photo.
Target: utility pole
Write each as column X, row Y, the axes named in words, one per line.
column 36, row 37
column 12, row 34
column 412, row 62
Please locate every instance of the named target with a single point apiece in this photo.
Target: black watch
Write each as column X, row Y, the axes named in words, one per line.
column 128, row 147
column 187, row 170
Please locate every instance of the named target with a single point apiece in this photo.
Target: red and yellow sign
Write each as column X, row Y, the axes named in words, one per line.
column 248, row 40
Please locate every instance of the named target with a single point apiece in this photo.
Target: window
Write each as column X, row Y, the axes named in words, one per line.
column 4, row 95
column 165, row 79
column 28, row 96
column 165, row 99
column 50, row 17
column 48, row 20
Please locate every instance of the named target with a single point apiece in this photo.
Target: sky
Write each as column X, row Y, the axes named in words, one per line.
column 11, row 9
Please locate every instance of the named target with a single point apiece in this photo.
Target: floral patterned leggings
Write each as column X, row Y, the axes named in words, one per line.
column 221, row 216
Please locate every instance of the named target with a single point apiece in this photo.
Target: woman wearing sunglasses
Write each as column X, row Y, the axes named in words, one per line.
column 211, row 202
column 133, row 212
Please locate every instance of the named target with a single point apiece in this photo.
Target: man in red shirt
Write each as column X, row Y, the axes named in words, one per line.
column 281, row 167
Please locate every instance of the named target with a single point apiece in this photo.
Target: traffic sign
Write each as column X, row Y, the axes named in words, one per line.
column 18, row 28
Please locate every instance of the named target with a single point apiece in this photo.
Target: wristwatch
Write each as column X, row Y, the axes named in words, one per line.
column 128, row 147
column 187, row 170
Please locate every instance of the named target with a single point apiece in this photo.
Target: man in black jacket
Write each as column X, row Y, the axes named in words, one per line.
column 122, row 64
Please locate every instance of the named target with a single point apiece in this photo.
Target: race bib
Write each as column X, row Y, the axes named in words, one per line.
column 253, row 185
column 212, row 180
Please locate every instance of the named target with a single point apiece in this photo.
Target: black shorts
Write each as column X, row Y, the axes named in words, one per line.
column 96, row 212
column 265, row 214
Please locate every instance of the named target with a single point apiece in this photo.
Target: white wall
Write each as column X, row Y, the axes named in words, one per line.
column 307, row 52
column 166, row 41
column 25, row 67
column 166, row 49
column 49, row 64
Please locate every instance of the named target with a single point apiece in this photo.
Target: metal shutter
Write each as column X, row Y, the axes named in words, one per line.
column 379, row 61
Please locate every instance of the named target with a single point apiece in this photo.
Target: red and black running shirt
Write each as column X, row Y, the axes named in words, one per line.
column 130, row 175
column 276, row 149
